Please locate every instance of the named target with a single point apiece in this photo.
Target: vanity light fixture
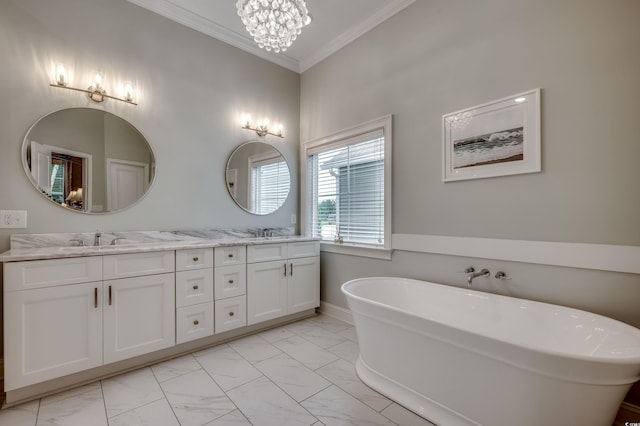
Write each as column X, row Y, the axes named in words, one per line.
column 95, row 92
column 262, row 128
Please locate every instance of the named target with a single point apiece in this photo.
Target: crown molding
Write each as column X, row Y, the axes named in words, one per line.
column 347, row 37
column 182, row 16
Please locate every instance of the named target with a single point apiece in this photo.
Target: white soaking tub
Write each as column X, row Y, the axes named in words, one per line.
column 463, row 357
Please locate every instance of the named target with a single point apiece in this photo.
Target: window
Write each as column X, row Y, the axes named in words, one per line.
column 347, row 199
column 270, row 183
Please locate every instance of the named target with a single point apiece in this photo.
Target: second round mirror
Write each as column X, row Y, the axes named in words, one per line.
column 258, row 177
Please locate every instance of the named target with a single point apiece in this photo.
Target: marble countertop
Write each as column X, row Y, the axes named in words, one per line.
column 57, row 246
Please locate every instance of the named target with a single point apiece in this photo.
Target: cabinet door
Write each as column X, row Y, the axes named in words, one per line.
column 139, row 316
column 303, row 284
column 51, row 332
column 266, row 291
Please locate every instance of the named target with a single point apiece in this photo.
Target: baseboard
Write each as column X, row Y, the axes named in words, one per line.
column 336, row 312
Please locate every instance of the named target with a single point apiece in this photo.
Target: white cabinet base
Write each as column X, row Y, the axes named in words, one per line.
column 61, row 334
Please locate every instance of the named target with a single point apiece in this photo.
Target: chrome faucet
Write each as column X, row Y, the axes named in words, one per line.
column 267, row 232
column 113, row 242
column 97, row 238
column 472, row 275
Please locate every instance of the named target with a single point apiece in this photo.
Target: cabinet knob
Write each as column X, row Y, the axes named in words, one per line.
column 196, row 258
column 230, row 255
column 196, row 322
column 195, row 287
column 231, row 314
column 230, row 281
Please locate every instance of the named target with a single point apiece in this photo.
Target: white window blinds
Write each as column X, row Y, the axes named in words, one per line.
column 345, row 184
column 270, row 185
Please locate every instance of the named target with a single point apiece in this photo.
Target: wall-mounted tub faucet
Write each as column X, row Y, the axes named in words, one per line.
column 472, row 275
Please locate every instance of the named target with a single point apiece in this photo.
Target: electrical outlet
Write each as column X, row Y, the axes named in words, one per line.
column 13, row 218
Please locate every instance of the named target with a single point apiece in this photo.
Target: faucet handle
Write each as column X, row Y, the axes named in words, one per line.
column 79, row 241
column 469, row 270
column 502, row 276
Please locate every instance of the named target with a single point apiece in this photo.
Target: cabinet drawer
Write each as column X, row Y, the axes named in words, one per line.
column 266, row 252
column 195, row 258
column 231, row 313
column 232, row 255
column 51, row 272
column 193, row 287
column 194, row 322
column 230, row 281
column 138, row 264
column 303, row 249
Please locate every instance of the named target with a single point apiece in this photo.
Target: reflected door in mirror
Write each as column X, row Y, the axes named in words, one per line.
column 88, row 160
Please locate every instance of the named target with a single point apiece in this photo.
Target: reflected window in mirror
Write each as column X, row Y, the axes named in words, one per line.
column 270, row 182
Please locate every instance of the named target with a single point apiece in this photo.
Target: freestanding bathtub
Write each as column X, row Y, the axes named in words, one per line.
column 462, row 357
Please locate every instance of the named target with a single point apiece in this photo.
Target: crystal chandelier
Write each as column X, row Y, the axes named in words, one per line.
column 274, row 24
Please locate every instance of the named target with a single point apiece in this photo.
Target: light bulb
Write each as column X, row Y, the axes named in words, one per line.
column 61, row 75
column 97, row 80
column 128, row 92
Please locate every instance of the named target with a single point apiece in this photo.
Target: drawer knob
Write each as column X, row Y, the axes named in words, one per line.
column 196, row 322
column 230, row 255
column 195, row 259
column 231, row 314
column 195, row 287
column 230, row 281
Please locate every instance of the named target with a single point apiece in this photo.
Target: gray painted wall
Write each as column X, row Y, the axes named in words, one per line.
column 191, row 91
column 440, row 56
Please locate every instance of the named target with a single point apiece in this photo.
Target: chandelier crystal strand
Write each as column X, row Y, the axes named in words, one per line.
column 273, row 24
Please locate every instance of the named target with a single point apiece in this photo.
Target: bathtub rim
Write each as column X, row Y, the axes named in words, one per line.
column 581, row 357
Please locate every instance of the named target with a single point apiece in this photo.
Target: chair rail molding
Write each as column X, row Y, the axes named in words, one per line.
column 604, row 257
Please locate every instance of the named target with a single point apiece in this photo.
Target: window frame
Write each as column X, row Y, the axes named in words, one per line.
column 336, row 140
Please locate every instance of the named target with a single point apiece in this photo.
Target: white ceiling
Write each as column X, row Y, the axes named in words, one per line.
column 335, row 24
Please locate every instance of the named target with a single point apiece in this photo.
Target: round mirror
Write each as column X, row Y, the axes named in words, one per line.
column 258, row 177
column 88, row 160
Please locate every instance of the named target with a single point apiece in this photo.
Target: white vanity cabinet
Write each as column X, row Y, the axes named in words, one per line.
column 138, row 306
column 282, row 279
column 92, row 314
column 194, row 294
column 53, row 319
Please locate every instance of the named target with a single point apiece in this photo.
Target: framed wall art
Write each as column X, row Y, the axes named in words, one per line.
column 498, row 138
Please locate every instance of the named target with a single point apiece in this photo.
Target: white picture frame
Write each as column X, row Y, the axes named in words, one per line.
column 498, row 138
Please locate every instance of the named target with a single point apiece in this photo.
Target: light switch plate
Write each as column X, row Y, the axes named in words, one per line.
column 13, row 218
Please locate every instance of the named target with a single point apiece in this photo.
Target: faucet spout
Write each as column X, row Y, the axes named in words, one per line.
column 482, row 273
column 97, row 239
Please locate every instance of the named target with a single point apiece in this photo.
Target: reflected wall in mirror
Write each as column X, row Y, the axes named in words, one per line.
column 258, row 177
column 88, row 160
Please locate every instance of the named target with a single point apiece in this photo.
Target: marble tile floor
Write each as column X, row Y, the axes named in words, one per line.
column 298, row 374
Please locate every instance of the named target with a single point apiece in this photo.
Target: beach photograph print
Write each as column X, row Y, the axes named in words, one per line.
column 491, row 148
column 499, row 138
